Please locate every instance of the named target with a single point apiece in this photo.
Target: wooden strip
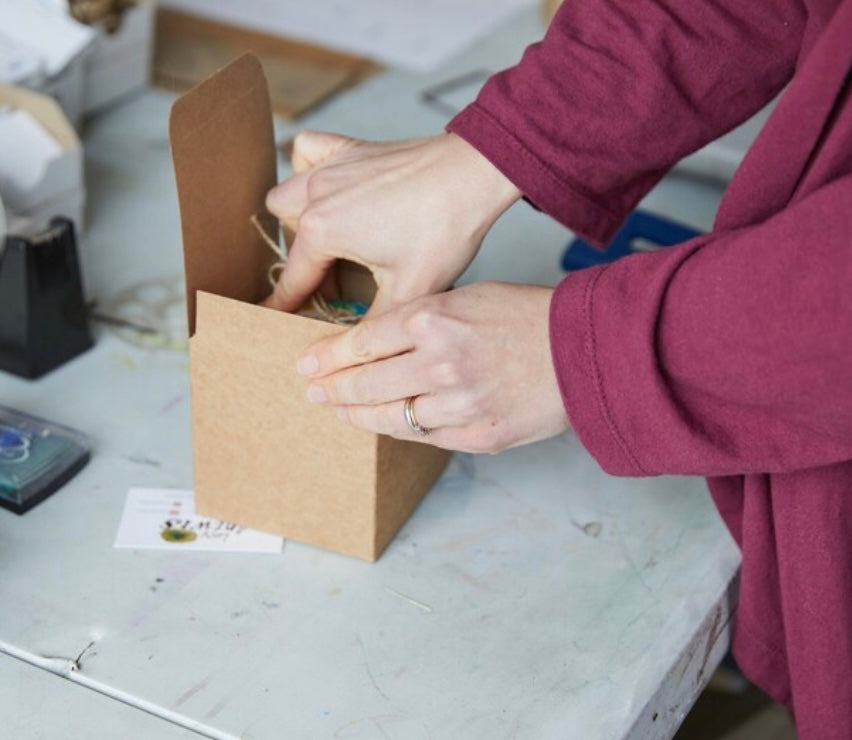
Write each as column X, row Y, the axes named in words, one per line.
column 189, row 49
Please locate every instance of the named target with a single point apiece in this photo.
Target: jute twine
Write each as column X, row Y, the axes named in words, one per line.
column 107, row 13
column 323, row 309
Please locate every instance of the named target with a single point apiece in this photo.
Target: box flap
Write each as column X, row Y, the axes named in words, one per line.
column 223, row 150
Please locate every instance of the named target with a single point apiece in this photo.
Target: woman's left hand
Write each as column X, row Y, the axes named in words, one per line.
column 476, row 361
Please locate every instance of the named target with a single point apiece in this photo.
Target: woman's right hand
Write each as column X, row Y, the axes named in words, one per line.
column 413, row 212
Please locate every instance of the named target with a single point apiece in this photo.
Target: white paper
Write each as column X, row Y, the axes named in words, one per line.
column 55, row 37
column 18, row 65
column 26, row 149
column 165, row 519
column 413, row 34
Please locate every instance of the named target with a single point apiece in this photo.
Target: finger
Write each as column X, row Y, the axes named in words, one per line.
column 312, row 148
column 330, row 286
column 390, row 419
column 372, row 384
column 367, row 341
column 385, row 420
column 298, row 280
column 288, row 200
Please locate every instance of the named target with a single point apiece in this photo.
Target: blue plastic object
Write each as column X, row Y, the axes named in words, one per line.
column 642, row 231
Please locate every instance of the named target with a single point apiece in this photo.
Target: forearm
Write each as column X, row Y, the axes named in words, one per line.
column 617, row 92
column 730, row 354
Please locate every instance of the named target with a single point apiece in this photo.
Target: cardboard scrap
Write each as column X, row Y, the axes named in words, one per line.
column 189, row 49
column 264, row 457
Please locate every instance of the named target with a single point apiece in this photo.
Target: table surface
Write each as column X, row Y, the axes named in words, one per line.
column 37, row 705
column 530, row 595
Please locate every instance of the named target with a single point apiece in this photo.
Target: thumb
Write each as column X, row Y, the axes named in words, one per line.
column 298, row 280
column 312, row 148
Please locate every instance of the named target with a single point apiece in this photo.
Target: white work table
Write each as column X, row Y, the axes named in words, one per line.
column 37, row 704
column 529, row 596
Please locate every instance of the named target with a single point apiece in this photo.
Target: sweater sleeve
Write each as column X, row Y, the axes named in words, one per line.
column 729, row 354
column 619, row 90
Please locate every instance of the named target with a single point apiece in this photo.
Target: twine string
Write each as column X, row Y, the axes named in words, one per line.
column 320, row 305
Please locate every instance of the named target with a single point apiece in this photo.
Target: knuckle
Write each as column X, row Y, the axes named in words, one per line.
column 468, row 414
column 346, row 415
column 359, row 416
column 359, row 339
column 422, row 322
column 360, row 389
column 317, row 184
column 331, row 389
column 312, row 225
column 446, row 374
column 365, row 417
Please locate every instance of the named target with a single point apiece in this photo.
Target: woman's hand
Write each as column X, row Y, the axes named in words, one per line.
column 413, row 212
column 477, row 361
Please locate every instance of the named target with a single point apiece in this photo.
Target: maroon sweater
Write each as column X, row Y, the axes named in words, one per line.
column 729, row 356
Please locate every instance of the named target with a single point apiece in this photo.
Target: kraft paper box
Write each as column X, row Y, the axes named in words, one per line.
column 265, row 457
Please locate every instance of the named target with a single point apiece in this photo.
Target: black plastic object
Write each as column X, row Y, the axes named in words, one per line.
column 42, row 310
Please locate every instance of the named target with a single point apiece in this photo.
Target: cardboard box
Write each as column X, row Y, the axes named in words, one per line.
column 264, row 457
column 59, row 190
column 119, row 63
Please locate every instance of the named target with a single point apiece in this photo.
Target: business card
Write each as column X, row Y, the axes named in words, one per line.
column 165, row 519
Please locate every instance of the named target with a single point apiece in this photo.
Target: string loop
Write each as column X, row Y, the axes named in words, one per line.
column 323, row 309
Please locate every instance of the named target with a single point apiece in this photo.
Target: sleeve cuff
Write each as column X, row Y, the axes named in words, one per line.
column 573, row 343
column 539, row 183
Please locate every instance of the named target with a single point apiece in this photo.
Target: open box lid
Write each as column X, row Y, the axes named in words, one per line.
column 223, row 148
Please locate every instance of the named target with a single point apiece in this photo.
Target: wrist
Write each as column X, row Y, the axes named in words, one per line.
column 492, row 192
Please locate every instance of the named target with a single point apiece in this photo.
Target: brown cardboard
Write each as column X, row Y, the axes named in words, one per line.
column 189, row 48
column 264, row 457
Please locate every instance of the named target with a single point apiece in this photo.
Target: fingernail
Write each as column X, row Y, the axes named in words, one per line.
column 341, row 414
column 307, row 365
column 316, row 394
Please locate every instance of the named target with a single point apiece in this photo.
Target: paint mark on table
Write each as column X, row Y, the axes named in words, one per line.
column 142, row 460
column 171, row 404
column 590, row 529
column 413, row 602
column 370, row 671
column 189, row 693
